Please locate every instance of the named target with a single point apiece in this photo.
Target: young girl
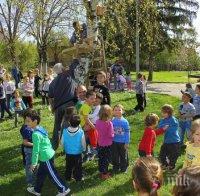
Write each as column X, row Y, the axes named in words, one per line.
column 192, row 156
column 27, row 89
column 3, row 105
column 121, row 140
column 45, row 89
column 148, row 141
column 187, row 182
column 31, row 77
column 105, row 130
column 147, row 176
column 10, row 88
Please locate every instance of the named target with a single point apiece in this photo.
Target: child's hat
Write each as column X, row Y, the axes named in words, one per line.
column 187, row 94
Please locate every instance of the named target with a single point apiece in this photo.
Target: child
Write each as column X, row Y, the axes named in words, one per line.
column 192, row 156
column 43, row 153
column 37, row 82
column 10, row 88
column 145, row 90
column 84, row 112
column 31, row 77
column 3, row 105
column 105, row 130
column 196, row 101
column 187, row 182
column 148, row 141
column 17, row 105
column 27, row 89
column 81, row 93
column 190, row 90
column 170, row 148
column 73, row 141
column 27, row 147
column 45, row 89
column 121, row 81
column 139, row 89
column 128, row 81
column 2, row 71
column 101, row 88
column 147, row 176
column 186, row 114
column 121, row 140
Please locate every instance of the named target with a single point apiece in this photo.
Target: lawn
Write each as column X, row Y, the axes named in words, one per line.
column 12, row 180
column 170, row 76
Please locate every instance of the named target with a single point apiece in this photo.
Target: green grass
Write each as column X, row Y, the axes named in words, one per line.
column 170, row 76
column 12, row 179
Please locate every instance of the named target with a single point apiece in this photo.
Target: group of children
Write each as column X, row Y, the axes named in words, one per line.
column 93, row 128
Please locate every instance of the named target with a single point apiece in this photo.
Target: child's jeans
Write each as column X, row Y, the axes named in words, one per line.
column 29, row 173
column 104, row 154
column 184, row 128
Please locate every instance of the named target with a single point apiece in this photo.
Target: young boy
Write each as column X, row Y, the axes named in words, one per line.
column 170, row 148
column 44, row 154
column 121, row 140
column 84, row 112
column 73, row 141
column 80, row 93
column 186, row 114
column 101, row 87
column 27, row 147
column 139, row 89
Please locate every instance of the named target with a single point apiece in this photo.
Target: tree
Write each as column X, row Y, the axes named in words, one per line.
column 44, row 16
column 11, row 12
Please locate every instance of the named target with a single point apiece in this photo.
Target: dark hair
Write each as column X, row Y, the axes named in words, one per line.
column 1, row 80
column 151, row 119
column 90, row 93
column 188, row 182
column 128, row 72
column 139, row 76
column 168, row 109
column 69, row 111
column 189, row 85
column 75, row 121
column 33, row 115
column 147, row 175
column 102, row 73
column 99, row 96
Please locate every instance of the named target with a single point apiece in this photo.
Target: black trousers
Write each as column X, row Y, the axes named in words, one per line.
column 45, row 98
column 119, row 156
column 140, row 103
column 47, row 169
column 145, row 100
column 104, row 154
column 4, row 108
column 37, row 92
column 170, row 151
column 73, row 165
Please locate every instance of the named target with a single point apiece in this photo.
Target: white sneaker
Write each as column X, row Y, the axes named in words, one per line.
column 32, row 191
column 64, row 193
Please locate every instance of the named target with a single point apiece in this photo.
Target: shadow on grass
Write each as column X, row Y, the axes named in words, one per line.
column 10, row 160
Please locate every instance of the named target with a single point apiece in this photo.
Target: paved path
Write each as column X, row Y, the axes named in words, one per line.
column 167, row 88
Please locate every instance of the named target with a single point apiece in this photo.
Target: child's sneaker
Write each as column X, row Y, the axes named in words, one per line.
column 64, row 193
column 32, row 191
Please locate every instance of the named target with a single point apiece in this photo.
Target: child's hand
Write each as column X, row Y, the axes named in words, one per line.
column 166, row 127
column 126, row 146
column 33, row 167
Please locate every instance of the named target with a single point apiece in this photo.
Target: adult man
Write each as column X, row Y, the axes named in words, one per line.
column 62, row 95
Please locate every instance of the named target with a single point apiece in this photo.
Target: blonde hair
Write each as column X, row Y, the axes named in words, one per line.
column 118, row 106
column 105, row 113
column 151, row 119
column 168, row 109
column 195, row 126
column 147, row 175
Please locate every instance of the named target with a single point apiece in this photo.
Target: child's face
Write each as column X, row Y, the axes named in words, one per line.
column 30, row 123
column 185, row 98
column 196, row 137
column 91, row 100
column 16, row 94
column 8, row 78
column 101, row 79
column 197, row 90
column 81, row 92
column 98, row 101
column 164, row 114
column 118, row 112
column 26, row 80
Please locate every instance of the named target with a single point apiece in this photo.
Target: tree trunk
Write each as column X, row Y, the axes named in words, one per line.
column 151, row 67
column 12, row 51
column 42, row 53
